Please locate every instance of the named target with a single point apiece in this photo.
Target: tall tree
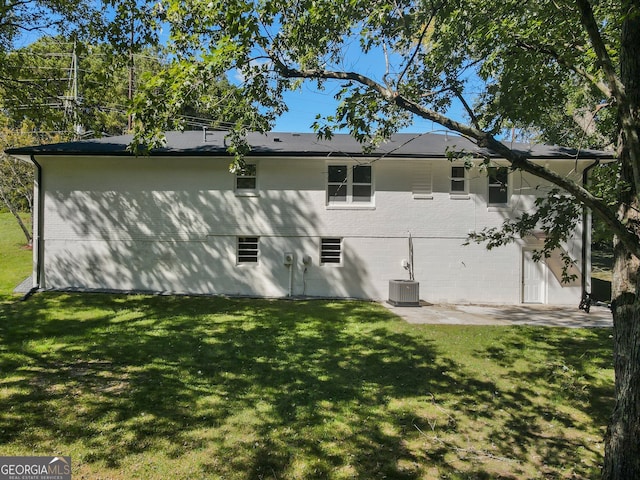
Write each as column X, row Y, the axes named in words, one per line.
column 23, row 21
column 123, row 29
column 78, row 90
column 510, row 64
column 73, row 86
column 16, row 177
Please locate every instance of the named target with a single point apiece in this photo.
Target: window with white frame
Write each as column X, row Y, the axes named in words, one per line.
column 498, row 185
column 247, row 178
column 330, row 251
column 247, row 249
column 458, row 180
column 349, row 184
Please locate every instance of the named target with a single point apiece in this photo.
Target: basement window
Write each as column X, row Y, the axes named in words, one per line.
column 330, row 251
column 247, row 251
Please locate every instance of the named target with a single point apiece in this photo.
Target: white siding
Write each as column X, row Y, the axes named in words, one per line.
column 170, row 224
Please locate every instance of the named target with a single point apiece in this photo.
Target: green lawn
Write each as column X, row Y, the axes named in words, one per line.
column 183, row 388
column 15, row 258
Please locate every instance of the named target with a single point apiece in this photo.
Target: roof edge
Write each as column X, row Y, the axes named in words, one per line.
column 278, row 144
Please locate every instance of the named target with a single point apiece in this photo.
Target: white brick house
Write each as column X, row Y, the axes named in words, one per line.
column 179, row 221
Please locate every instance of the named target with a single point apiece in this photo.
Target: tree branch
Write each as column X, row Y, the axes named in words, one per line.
column 548, row 50
column 590, row 25
column 628, row 118
column 415, row 52
column 288, row 72
column 483, row 139
column 467, row 107
column 387, row 65
column 521, row 162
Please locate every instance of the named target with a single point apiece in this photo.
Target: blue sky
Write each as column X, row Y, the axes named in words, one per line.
column 306, row 103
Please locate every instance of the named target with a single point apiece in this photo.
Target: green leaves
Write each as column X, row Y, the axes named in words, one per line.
column 553, row 220
column 474, row 66
column 514, row 61
column 71, row 87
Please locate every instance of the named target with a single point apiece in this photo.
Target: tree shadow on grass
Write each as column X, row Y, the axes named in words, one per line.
column 260, row 387
column 239, row 388
column 568, row 359
column 565, row 366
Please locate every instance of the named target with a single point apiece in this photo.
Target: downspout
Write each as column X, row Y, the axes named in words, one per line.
column 586, row 235
column 37, row 233
column 290, row 281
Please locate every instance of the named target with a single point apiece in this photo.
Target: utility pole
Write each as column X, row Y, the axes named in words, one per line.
column 72, row 99
column 131, row 72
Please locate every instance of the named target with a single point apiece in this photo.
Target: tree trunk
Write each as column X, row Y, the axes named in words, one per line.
column 24, row 228
column 16, row 214
column 622, row 442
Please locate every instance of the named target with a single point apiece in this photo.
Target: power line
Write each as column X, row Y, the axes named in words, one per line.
column 70, row 103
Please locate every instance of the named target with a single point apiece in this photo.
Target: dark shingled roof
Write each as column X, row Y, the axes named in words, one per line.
column 302, row 144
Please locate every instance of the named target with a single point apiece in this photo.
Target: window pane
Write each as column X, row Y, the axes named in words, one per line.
column 337, row 173
column 498, row 176
column 362, row 193
column 349, row 184
column 457, row 185
column 246, row 183
column 497, row 195
column 246, row 177
column 337, row 193
column 457, row 179
column 362, row 174
column 498, row 185
column 457, row 172
column 249, row 170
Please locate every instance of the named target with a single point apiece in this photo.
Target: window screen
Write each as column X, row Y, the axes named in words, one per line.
column 458, row 180
column 349, row 184
column 362, row 183
column 498, row 185
column 246, row 178
column 337, row 183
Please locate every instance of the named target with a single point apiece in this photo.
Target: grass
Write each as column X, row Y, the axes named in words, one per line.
column 177, row 387
column 15, row 258
column 602, row 262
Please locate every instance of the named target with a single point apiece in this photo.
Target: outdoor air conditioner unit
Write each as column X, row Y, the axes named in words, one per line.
column 404, row 293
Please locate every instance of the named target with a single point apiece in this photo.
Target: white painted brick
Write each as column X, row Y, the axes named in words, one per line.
column 168, row 224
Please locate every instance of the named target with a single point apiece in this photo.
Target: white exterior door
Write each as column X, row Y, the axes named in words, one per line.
column 533, row 278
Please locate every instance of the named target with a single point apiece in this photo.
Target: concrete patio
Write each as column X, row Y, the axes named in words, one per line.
column 539, row 315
